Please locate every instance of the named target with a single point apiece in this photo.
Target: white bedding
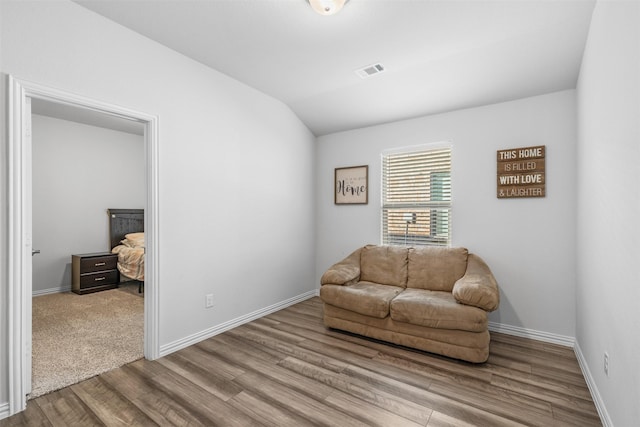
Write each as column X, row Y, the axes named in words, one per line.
column 131, row 256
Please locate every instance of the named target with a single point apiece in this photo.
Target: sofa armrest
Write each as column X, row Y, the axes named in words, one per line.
column 344, row 272
column 477, row 287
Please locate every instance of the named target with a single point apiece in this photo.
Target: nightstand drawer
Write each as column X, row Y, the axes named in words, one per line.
column 94, row 272
column 89, row 265
column 98, row 279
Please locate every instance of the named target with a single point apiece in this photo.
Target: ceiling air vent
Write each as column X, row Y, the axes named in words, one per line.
column 370, row 70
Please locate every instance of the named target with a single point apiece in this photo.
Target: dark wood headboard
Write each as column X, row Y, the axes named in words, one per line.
column 122, row 222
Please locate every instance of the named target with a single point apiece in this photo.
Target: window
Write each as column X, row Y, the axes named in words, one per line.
column 416, row 197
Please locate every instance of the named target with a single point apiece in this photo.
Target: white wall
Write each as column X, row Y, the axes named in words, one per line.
column 608, row 291
column 79, row 171
column 236, row 166
column 528, row 243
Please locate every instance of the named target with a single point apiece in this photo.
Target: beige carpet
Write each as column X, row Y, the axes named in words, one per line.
column 76, row 337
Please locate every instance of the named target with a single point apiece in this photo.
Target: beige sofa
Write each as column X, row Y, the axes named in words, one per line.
column 429, row 298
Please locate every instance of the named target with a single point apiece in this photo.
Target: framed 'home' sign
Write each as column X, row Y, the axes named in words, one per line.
column 521, row 172
column 351, row 185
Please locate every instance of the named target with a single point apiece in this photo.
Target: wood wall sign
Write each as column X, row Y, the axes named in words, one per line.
column 521, row 172
column 351, row 185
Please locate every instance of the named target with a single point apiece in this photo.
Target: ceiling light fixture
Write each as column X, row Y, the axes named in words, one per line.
column 327, row 7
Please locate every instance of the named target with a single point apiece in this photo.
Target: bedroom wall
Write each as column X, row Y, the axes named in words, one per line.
column 609, row 208
column 79, row 171
column 528, row 243
column 236, row 166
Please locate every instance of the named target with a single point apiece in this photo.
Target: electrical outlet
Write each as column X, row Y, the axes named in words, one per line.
column 208, row 301
column 606, row 363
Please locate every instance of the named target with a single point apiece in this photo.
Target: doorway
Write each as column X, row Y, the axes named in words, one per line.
column 20, row 243
column 81, row 165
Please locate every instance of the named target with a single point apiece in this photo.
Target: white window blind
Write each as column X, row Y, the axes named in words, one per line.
column 416, row 198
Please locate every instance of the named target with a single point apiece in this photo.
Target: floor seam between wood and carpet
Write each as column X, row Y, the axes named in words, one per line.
column 75, row 337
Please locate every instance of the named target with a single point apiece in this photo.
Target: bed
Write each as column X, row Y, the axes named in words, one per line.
column 126, row 237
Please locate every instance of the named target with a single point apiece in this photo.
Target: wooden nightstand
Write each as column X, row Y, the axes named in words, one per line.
column 94, row 272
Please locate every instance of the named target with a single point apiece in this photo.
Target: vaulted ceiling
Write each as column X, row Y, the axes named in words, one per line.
column 437, row 55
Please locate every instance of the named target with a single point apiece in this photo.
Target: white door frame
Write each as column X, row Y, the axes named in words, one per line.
column 19, row 246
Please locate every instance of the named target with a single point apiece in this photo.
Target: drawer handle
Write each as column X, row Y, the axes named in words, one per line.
column 98, row 264
column 97, row 279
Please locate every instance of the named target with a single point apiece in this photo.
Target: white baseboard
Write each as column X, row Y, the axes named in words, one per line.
column 532, row 334
column 4, row 410
column 208, row 333
column 593, row 389
column 51, row 291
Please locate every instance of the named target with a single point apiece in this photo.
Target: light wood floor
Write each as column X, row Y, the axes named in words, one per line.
column 286, row 369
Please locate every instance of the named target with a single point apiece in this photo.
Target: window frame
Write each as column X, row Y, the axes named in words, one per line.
column 426, row 231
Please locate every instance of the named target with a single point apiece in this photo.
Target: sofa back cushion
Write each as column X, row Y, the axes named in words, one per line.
column 435, row 268
column 386, row 265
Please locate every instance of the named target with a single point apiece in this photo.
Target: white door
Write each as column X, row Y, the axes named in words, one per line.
column 28, row 233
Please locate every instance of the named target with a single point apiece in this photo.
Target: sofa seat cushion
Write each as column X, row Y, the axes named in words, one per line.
column 435, row 268
column 370, row 299
column 386, row 265
column 459, row 338
column 437, row 309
